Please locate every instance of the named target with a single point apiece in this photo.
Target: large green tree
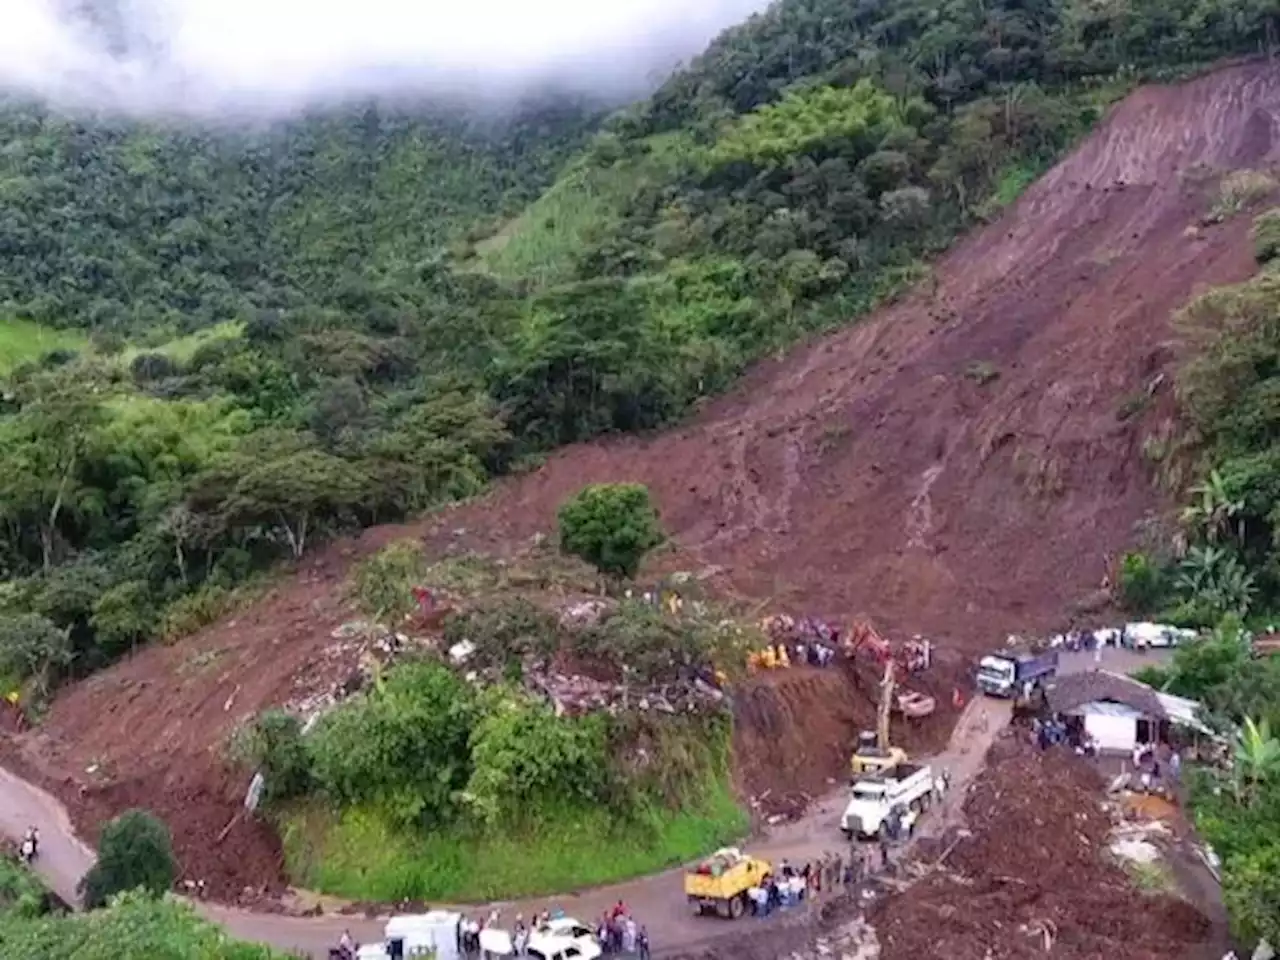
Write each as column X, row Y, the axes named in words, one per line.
column 610, row 525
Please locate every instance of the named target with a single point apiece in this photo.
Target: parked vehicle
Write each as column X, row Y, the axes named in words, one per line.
column 720, row 883
column 563, row 939
column 1016, row 674
column 1146, row 636
column 907, row 786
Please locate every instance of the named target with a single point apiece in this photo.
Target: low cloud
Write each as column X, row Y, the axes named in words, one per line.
column 277, row 56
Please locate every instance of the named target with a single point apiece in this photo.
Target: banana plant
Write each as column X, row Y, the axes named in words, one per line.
column 1257, row 759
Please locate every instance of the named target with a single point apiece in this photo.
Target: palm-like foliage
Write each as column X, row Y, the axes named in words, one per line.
column 1257, row 759
column 1214, row 512
column 1218, row 577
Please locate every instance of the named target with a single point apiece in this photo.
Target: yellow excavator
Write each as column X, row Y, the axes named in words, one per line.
column 874, row 752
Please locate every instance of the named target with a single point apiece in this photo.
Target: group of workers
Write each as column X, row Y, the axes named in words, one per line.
column 832, row 874
column 619, row 933
column 781, row 655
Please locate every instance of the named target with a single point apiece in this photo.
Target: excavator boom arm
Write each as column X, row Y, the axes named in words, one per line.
column 884, row 707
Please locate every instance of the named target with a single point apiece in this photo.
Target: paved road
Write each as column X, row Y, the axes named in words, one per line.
column 657, row 900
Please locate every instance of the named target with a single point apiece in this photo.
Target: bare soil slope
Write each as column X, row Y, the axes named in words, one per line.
column 874, row 471
column 870, row 472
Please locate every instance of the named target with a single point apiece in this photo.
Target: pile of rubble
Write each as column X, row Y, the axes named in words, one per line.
column 361, row 649
column 1034, row 876
column 574, row 695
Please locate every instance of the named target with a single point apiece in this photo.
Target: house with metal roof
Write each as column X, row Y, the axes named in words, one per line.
column 1119, row 712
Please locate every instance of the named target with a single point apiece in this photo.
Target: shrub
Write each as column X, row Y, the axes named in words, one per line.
column 526, row 759
column 33, row 647
column 1266, row 235
column 147, row 367
column 402, row 747
column 610, row 525
column 135, row 852
column 383, row 584
column 1143, row 584
column 1241, row 189
column 123, row 616
column 1251, row 892
column 189, row 613
column 274, row 744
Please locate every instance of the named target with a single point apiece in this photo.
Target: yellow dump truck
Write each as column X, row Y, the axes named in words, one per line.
column 720, row 882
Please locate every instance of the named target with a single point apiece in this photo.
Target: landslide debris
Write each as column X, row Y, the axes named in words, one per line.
column 1034, row 870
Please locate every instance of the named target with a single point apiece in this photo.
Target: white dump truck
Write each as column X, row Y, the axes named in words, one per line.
column 908, row 787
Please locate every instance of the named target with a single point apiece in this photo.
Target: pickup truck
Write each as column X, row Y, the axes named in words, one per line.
column 1012, row 674
column 909, row 786
column 721, row 881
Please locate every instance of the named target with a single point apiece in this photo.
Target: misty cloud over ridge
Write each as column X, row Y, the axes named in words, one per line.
column 277, row 56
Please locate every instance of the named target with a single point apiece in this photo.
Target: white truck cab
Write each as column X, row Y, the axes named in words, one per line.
column 907, row 786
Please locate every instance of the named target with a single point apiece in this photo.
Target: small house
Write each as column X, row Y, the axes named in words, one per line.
column 1119, row 712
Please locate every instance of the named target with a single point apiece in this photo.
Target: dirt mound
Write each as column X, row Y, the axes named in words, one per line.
column 1035, row 866
column 794, row 730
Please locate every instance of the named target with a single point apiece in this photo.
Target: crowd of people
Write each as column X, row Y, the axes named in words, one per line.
column 831, row 874
column 619, row 934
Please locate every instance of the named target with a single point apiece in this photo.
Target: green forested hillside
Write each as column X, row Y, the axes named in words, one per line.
column 394, row 308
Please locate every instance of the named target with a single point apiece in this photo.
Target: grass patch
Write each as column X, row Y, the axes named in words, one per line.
column 182, row 349
column 22, row 341
column 982, row 372
column 1011, row 184
column 1152, row 878
column 358, row 856
column 584, row 203
column 1239, row 190
column 1133, row 405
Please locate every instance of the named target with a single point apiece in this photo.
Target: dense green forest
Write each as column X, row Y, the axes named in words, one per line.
column 265, row 337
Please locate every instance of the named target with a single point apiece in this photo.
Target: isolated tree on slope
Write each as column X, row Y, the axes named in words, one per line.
column 610, row 525
column 134, row 852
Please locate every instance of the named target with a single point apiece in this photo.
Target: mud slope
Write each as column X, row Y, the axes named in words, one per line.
column 870, row 472
column 873, row 472
column 794, row 730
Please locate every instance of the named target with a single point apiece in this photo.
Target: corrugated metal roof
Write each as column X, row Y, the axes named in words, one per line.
column 1106, row 708
column 1071, row 692
column 1181, row 710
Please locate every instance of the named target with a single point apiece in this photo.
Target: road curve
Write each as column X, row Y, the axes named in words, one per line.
column 657, row 900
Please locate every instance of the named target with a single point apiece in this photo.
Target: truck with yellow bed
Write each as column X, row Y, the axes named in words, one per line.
column 720, row 883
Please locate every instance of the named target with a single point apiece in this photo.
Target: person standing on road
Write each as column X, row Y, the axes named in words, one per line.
column 642, row 943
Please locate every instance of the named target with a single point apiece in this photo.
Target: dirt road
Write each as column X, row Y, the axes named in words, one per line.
column 656, row 900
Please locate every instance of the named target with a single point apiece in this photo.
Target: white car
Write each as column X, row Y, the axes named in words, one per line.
column 563, row 939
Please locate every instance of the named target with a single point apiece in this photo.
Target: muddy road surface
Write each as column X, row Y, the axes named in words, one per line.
column 657, row 901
